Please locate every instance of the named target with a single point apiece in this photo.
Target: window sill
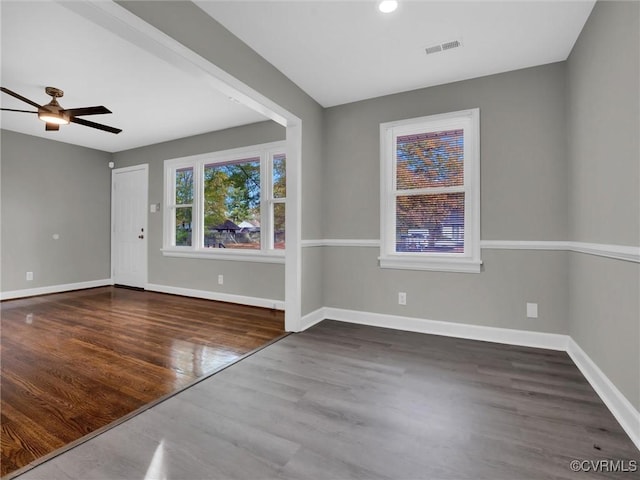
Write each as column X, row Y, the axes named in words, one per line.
column 458, row 265
column 234, row 256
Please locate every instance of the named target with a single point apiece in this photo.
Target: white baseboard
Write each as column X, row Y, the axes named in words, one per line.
column 624, row 412
column 525, row 338
column 67, row 287
column 187, row 292
column 310, row 319
column 620, row 407
column 218, row 296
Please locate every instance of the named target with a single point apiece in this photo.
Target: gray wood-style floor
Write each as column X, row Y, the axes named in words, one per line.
column 350, row 401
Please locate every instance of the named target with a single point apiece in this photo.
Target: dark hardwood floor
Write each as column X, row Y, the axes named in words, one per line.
column 343, row 401
column 75, row 362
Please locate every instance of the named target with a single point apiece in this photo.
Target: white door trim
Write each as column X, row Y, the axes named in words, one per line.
column 145, row 168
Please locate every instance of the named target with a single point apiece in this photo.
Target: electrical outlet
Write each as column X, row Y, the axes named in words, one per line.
column 220, row 279
column 29, row 276
column 402, row 298
column 532, row 310
column 29, row 319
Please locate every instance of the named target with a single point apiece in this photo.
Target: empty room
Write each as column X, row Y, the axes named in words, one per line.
column 320, row 239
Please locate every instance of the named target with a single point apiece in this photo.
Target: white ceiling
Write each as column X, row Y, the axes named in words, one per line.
column 344, row 51
column 337, row 51
column 152, row 100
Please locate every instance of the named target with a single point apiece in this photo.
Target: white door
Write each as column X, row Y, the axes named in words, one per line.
column 129, row 225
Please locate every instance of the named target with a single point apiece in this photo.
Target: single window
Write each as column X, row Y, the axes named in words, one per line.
column 430, row 198
column 227, row 204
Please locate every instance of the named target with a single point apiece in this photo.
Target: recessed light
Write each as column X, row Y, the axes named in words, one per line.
column 387, row 6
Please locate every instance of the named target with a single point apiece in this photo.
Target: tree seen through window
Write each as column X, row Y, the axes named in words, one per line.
column 232, row 204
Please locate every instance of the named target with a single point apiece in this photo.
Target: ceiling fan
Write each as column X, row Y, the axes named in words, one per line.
column 54, row 115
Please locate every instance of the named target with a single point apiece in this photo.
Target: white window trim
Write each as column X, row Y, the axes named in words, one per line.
column 470, row 261
column 267, row 254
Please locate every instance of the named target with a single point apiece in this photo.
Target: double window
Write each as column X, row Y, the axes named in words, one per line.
column 430, row 198
column 228, row 204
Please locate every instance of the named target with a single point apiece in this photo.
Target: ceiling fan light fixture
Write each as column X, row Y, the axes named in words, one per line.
column 50, row 113
column 50, row 117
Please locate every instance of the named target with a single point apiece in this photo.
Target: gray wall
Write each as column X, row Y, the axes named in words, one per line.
column 603, row 111
column 496, row 297
column 50, row 187
column 523, row 197
column 603, row 127
column 522, row 138
column 241, row 278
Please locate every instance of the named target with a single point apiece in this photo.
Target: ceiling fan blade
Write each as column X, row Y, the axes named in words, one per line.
column 14, row 110
column 99, row 126
column 20, row 97
column 52, row 127
column 76, row 112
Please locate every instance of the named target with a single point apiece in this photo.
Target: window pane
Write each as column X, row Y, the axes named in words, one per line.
column 278, row 225
column 430, row 223
column 184, row 186
column 279, row 176
column 232, row 204
column 434, row 159
column 183, row 226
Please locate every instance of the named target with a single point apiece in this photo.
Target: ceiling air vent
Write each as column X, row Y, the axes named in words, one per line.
column 450, row 45
column 441, row 47
column 434, row 49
